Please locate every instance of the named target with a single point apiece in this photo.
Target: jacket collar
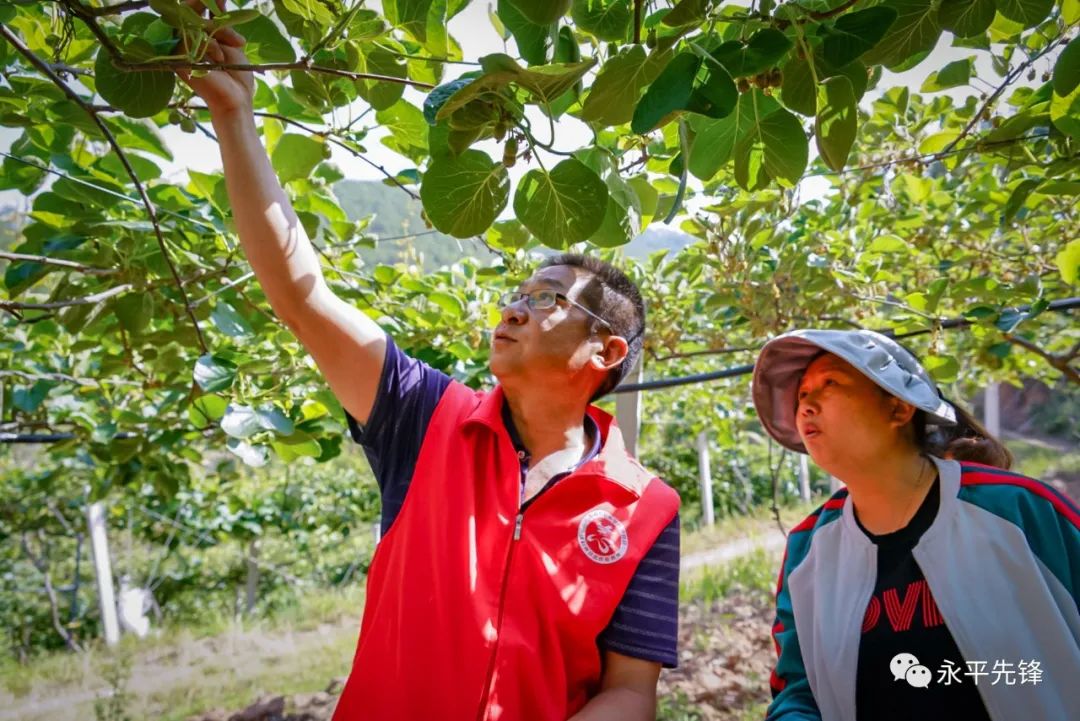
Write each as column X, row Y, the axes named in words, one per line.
column 612, row 463
column 949, row 488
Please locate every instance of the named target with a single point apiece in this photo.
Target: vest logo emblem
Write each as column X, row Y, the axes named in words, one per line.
column 602, row 536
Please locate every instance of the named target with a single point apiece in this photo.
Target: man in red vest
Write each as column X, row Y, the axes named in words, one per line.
column 529, row 565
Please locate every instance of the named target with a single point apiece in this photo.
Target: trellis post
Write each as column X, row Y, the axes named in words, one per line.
column 99, row 544
column 705, row 477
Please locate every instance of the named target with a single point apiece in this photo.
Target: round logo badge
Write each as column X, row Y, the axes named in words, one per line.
column 602, row 536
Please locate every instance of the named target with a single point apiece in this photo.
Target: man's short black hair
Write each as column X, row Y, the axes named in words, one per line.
column 615, row 298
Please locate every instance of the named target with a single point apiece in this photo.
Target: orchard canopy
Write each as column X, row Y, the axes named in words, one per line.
column 821, row 191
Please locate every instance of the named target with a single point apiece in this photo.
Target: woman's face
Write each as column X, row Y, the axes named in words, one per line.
column 845, row 420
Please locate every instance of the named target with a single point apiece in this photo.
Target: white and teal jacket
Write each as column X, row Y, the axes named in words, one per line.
column 1002, row 559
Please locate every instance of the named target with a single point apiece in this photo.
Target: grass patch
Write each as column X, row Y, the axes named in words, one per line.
column 753, row 574
column 1044, row 461
column 184, row 670
column 758, row 522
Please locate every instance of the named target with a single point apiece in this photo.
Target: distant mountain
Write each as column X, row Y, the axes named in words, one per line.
column 397, row 214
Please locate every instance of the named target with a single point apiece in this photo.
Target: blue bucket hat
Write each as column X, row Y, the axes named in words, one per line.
column 783, row 361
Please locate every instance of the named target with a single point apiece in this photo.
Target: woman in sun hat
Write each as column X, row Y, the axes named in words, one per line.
column 936, row 584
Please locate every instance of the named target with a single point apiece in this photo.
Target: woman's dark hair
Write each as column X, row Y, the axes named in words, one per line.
column 966, row 441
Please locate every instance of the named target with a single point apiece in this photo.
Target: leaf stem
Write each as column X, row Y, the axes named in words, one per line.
column 684, row 150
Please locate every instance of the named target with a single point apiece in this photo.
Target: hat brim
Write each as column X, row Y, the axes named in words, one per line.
column 779, row 370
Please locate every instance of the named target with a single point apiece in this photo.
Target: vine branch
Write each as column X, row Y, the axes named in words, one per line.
column 53, row 305
column 45, row 260
column 1010, row 78
column 120, row 61
column 44, row 68
column 1059, row 361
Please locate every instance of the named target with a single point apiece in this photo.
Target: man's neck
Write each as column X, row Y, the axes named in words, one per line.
column 545, row 424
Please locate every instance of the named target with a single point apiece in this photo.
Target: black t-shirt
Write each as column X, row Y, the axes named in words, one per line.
column 929, row 682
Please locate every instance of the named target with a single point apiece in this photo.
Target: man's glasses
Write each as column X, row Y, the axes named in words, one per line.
column 544, row 300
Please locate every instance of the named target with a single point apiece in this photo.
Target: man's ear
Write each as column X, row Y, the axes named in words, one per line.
column 902, row 412
column 611, row 354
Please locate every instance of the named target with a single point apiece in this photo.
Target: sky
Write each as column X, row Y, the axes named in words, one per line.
column 476, row 34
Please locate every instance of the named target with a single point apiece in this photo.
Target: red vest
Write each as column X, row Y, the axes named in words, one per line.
column 477, row 611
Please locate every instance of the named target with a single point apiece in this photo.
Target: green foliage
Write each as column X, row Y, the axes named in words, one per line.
column 753, row 573
column 911, row 208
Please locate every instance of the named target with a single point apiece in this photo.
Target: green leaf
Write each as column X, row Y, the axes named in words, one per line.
column 1060, row 187
column 509, row 235
column 541, row 12
column 265, row 43
column 408, row 130
column 797, row 91
column 914, row 32
column 229, row 321
column 139, row 94
column 773, row 149
column 618, row 86
column 686, row 12
column 271, row 418
column 688, row 83
column 761, row 52
column 621, row 216
column 1067, row 69
column 214, row 373
column 544, row 82
column 1029, row 13
column 1018, row 197
column 463, row 195
column 953, row 74
column 836, row 122
column 138, row 135
column 366, row 25
column 240, row 421
column 938, row 142
column 888, row 243
column 380, row 94
column 28, row 400
column 668, row 93
column 564, row 206
column 450, row 303
column 533, row 40
column 1068, row 262
column 967, row 18
column 134, row 311
column 942, row 368
column 297, row 445
column 1070, row 12
column 410, row 15
column 716, row 139
column 604, row 19
column 295, row 156
column 254, row 456
column 438, row 96
column 1065, row 102
column 207, row 409
column 855, row 33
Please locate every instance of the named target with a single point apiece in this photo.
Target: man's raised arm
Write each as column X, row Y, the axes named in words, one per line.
column 347, row 345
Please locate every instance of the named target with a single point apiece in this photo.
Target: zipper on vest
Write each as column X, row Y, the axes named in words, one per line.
column 518, row 521
column 499, row 619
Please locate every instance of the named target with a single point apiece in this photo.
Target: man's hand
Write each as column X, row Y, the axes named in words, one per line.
column 627, row 691
column 224, row 91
